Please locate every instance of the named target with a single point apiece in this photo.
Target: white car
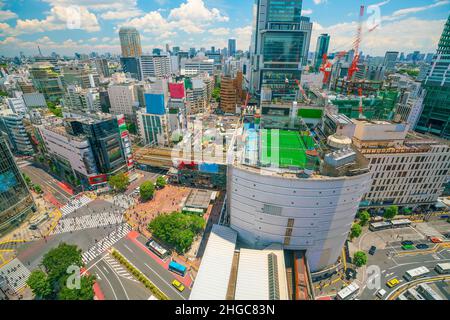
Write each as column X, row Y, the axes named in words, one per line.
column 381, row 293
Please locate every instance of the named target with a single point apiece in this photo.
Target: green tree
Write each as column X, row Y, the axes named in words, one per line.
column 364, row 217
column 27, row 180
column 360, row 258
column 119, row 182
column 86, row 291
column 216, row 94
column 390, row 212
column 160, row 182
column 177, row 229
column 355, row 231
column 57, row 260
column 131, row 127
column 146, row 190
column 3, row 94
column 37, row 188
column 40, row 284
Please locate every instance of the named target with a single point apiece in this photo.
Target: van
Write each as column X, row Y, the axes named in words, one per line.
column 381, row 293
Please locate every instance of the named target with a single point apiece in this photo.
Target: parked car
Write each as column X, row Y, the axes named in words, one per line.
column 407, row 242
column 408, row 247
column 372, row 250
column 422, row 246
column 435, row 240
column 381, row 293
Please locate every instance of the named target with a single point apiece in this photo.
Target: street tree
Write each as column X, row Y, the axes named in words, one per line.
column 119, row 182
column 85, row 292
column 364, row 217
column 355, row 231
column 57, row 260
column 39, row 284
column 390, row 212
column 160, row 182
column 360, row 258
column 146, row 190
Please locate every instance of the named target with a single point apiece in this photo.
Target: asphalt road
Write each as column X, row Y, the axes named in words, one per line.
column 115, row 286
column 160, row 276
column 393, row 263
column 47, row 182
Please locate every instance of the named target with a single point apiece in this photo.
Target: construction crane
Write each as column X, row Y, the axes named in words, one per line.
column 360, row 108
column 354, row 66
column 305, row 97
column 327, row 65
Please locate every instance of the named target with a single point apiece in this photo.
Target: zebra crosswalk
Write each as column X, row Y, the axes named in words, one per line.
column 88, row 222
column 118, row 268
column 74, row 204
column 105, row 243
column 14, row 275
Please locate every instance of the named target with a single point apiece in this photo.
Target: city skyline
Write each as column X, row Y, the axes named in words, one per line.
column 206, row 23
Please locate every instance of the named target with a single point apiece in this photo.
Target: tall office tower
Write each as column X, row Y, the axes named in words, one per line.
column 323, row 41
column 156, row 66
column 47, row 81
column 16, row 202
column 435, row 117
column 279, row 48
column 123, row 100
column 231, row 47
column 102, row 67
column 130, row 42
column 389, row 60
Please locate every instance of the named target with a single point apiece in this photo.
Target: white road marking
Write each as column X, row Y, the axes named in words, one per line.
column 170, row 285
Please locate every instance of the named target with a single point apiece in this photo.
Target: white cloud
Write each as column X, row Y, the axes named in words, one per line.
column 319, row 1
column 404, row 12
column 219, row 31
column 59, row 18
column 7, row 15
column 196, row 12
column 394, row 35
column 307, row 11
column 120, row 15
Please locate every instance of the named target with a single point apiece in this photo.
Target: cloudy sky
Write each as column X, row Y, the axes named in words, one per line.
column 68, row 26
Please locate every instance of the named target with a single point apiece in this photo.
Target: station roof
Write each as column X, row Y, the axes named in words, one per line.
column 213, row 275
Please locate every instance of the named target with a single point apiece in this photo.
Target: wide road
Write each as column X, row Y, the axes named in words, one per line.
column 115, row 282
column 160, row 276
column 47, row 182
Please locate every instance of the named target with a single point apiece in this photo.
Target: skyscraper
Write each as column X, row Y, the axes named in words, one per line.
column 279, row 47
column 390, row 58
column 130, row 42
column 323, row 41
column 231, row 47
column 435, row 117
column 16, row 202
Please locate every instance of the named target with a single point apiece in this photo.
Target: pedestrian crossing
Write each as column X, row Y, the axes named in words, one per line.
column 14, row 275
column 74, row 204
column 123, row 201
column 118, row 268
column 105, row 243
column 98, row 220
column 23, row 163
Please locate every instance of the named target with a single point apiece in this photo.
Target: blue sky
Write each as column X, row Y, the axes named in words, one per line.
column 403, row 25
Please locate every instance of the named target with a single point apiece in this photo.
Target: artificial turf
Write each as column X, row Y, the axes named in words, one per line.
column 290, row 146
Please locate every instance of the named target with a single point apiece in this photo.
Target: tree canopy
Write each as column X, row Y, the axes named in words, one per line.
column 160, row 182
column 360, row 258
column 177, row 229
column 146, row 190
column 364, row 217
column 355, row 231
column 390, row 212
column 119, row 182
column 52, row 282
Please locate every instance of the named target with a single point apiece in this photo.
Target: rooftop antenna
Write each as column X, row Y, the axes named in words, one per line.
column 39, row 49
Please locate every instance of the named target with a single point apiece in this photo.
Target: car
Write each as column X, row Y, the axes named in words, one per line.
column 177, row 284
column 372, row 250
column 32, row 227
column 392, row 283
column 407, row 242
column 422, row 246
column 408, row 247
column 435, row 240
column 380, row 293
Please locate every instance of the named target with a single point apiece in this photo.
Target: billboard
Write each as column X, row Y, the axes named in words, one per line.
column 176, row 90
column 154, row 103
column 101, row 178
column 7, row 181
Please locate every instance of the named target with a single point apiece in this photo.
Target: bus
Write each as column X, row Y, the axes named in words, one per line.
column 400, row 223
column 382, row 225
column 177, row 268
column 428, row 293
column 416, row 273
column 158, row 249
column 402, row 297
column 349, row 292
column 443, row 268
column 413, row 294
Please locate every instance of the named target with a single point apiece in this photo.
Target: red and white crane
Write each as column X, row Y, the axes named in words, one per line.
column 354, row 66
